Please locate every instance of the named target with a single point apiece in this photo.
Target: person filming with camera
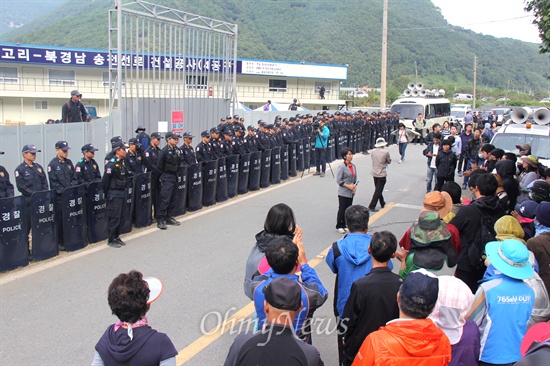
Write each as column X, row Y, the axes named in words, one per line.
column 321, row 142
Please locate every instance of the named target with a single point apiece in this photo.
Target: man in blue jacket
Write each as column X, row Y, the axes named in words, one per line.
column 349, row 258
column 321, row 140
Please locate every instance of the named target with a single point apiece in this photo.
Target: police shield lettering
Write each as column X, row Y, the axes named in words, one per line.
column 244, row 171
column 232, row 163
column 75, row 232
column 194, row 187
column 284, row 162
column 330, row 149
column 142, row 200
column 255, row 170
column 128, row 208
column 266, row 169
column 180, row 206
column 276, row 165
column 307, row 155
column 292, row 160
column 43, row 228
column 97, row 213
column 300, row 155
column 222, row 186
column 14, row 243
column 209, row 181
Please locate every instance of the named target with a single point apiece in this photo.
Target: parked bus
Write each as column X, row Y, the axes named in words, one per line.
column 434, row 110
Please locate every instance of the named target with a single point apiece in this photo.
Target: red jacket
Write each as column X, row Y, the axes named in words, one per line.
column 405, row 342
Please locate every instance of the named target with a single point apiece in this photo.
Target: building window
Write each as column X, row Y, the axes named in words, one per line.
column 62, row 77
column 41, row 104
column 277, row 86
column 8, row 75
column 196, row 82
column 106, row 78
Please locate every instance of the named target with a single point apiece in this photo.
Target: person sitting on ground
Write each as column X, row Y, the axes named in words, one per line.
column 503, row 302
column 453, row 303
column 132, row 340
column 372, row 302
column 412, row 339
column 277, row 340
column 284, row 257
column 279, row 222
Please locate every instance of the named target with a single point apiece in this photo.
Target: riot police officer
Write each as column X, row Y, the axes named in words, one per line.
column 86, row 169
column 168, row 165
column 215, row 144
column 151, row 159
column 203, row 151
column 111, row 153
column 134, row 161
column 239, row 141
column 114, row 187
column 250, row 140
column 6, row 188
column 187, row 150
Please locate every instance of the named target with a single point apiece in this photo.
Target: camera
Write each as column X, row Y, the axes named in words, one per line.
column 316, row 125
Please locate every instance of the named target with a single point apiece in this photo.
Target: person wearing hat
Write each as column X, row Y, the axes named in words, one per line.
column 168, row 165
column 528, row 175
column 131, row 340
column 240, row 147
column 114, row 187
column 151, row 159
column 187, row 150
column 380, row 157
column 454, row 301
column 540, row 244
column 111, row 154
column 142, row 137
column 74, row 110
column 203, row 151
column 276, row 343
column 250, row 140
column 524, row 149
column 30, row 176
column 86, row 169
column 503, row 302
column 133, row 159
column 524, row 213
column 215, row 143
column 6, row 188
column 411, row 339
column 539, row 190
column 295, row 105
column 60, row 174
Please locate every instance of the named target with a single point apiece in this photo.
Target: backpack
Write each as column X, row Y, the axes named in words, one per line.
column 485, row 234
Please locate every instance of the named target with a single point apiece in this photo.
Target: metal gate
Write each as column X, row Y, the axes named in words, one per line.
column 164, row 60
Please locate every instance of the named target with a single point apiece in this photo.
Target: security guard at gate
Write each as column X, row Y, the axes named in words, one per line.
column 86, row 169
column 114, row 187
column 6, row 188
column 168, row 165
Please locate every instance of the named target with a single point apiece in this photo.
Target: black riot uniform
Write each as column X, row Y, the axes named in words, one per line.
column 151, row 159
column 168, row 165
column 60, row 173
column 251, row 143
column 6, row 188
column 86, row 171
column 30, row 179
column 134, row 163
column 114, row 186
column 204, row 152
column 188, row 154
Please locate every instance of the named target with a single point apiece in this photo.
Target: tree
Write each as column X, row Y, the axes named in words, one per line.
column 541, row 11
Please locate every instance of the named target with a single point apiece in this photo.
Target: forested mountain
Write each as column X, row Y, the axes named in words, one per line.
column 336, row 32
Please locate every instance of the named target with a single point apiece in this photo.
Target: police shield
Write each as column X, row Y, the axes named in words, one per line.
column 255, row 170
column 222, row 188
column 180, row 206
column 307, row 152
column 341, row 142
column 232, row 163
column 292, row 160
column 266, row 169
column 244, row 171
column 330, row 149
column 128, row 207
column 44, row 230
column 284, row 162
column 142, row 202
column 75, row 232
column 312, row 151
column 276, row 165
column 14, row 241
column 209, row 181
column 97, row 213
column 194, row 187
column 300, row 155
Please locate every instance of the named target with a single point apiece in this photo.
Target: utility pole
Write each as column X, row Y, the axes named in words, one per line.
column 475, row 82
column 384, row 57
column 416, row 71
column 506, row 97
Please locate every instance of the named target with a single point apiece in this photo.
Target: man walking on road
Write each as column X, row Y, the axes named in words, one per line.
column 380, row 159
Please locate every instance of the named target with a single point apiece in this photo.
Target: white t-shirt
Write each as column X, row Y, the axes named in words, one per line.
column 435, row 150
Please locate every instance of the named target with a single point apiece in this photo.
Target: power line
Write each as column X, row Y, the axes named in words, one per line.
column 464, row 25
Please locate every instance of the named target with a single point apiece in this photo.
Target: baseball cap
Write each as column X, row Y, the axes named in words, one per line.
column 30, row 149
column 542, row 213
column 172, row 135
column 88, row 148
column 205, row 134
column 155, row 288
column 76, row 92
column 62, row 145
column 228, row 117
column 134, row 141
column 524, row 147
column 284, row 294
column 119, row 145
column 263, row 124
column 421, row 287
column 187, row 135
column 250, row 128
column 214, row 130
column 156, row 135
column 236, row 116
column 527, row 208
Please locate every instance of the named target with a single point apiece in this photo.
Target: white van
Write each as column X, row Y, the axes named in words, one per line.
column 460, row 96
column 434, row 110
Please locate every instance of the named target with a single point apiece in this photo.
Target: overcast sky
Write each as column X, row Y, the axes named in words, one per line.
column 491, row 17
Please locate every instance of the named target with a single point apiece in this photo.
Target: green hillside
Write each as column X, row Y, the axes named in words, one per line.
column 336, row 32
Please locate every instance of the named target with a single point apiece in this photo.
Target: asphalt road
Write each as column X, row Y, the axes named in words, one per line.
column 54, row 312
